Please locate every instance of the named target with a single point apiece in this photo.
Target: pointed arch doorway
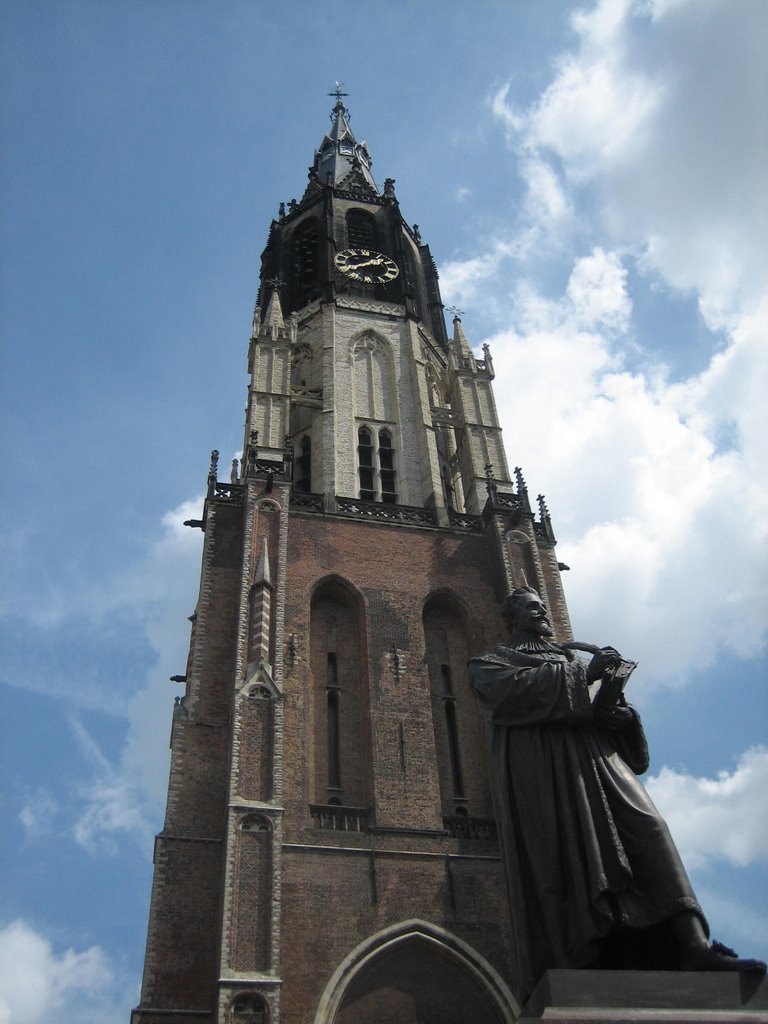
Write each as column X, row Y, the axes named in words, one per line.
column 416, row 973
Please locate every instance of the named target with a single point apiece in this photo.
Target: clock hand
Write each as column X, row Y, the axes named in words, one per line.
column 368, row 263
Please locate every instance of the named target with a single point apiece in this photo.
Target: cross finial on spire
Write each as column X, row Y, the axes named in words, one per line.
column 458, row 313
column 339, row 108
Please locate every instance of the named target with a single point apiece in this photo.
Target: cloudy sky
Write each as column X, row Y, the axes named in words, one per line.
column 591, row 180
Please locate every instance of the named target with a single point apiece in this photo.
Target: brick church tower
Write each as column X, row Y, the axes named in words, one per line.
column 329, row 852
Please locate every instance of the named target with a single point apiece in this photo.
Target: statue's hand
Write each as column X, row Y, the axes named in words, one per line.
column 613, row 717
column 605, row 659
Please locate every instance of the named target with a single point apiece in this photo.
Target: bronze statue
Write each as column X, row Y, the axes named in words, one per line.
column 593, row 877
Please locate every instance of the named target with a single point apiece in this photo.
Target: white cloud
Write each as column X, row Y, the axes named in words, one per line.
column 112, row 801
column 146, row 599
column 38, row 985
column 648, row 149
column 38, row 814
column 725, row 818
column 594, row 115
column 547, row 203
column 176, row 558
column 731, row 392
column 596, row 111
column 462, row 280
column 662, row 566
column 125, row 797
column 505, row 110
column 153, row 581
column 597, row 292
column 661, row 110
column 659, row 8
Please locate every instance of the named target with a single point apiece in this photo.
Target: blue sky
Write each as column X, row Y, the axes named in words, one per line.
column 592, row 184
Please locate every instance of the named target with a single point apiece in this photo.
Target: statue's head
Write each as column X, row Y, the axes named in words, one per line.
column 524, row 612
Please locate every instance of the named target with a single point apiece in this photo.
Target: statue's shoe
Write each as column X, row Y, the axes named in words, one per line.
column 717, row 957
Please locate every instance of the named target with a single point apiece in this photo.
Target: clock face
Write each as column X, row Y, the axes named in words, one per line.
column 367, row 266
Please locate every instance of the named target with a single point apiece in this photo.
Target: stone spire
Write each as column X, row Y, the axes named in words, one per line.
column 263, row 574
column 339, row 154
column 273, row 318
column 460, row 342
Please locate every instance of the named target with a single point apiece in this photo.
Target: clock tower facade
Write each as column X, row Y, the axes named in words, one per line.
column 329, row 850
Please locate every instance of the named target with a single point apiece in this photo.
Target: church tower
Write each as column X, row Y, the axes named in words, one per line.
column 329, row 851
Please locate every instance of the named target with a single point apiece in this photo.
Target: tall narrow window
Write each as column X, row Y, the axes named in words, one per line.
column 303, row 475
column 339, row 700
column 305, row 264
column 458, row 726
column 361, row 229
column 387, row 468
column 449, row 702
column 365, row 463
column 376, row 466
column 332, row 689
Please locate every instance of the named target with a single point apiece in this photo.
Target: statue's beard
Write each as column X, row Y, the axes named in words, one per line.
column 535, row 642
column 537, row 631
column 540, row 629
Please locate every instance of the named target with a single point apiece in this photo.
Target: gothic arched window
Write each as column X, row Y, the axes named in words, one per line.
column 332, row 691
column 365, row 463
column 376, row 465
column 305, row 264
column 361, row 229
column 458, row 730
column 451, row 728
column 387, row 468
column 340, row 707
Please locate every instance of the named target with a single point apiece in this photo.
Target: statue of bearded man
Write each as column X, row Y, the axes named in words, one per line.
column 593, row 876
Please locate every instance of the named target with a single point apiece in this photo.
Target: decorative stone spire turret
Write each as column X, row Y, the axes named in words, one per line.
column 460, row 341
column 522, row 490
column 260, row 614
column 545, row 519
column 263, row 575
column 273, row 318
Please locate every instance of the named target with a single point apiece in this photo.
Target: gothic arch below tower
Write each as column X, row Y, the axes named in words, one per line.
column 416, row 973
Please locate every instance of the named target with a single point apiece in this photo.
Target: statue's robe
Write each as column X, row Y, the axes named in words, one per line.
column 584, row 848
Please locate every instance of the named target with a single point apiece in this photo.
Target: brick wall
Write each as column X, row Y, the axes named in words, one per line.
column 339, row 887
column 181, row 966
column 300, row 895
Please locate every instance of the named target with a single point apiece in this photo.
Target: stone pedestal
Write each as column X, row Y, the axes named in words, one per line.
column 672, row 997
